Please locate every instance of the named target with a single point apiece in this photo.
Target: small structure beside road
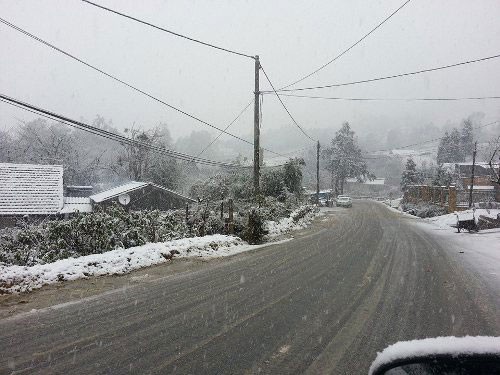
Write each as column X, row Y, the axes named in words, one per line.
column 29, row 189
column 137, row 195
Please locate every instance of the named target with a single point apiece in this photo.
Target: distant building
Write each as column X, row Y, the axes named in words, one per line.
column 370, row 188
column 29, row 189
column 78, row 191
column 484, row 190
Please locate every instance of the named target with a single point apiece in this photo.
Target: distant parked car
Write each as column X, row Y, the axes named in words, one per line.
column 344, row 201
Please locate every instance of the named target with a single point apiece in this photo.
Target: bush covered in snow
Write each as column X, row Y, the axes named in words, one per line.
column 298, row 219
column 423, row 210
column 91, row 233
column 111, row 228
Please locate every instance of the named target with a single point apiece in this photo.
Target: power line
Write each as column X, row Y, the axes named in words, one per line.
column 387, row 99
column 431, row 140
column 389, row 77
column 227, row 127
column 122, row 82
column 110, row 135
column 348, row 49
column 293, row 152
column 168, row 31
column 284, row 106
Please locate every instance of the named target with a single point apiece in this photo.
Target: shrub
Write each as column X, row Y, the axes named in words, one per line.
column 254, row 232
column 424, row 210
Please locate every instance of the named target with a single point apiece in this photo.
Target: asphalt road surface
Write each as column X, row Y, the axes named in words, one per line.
column 358, row 280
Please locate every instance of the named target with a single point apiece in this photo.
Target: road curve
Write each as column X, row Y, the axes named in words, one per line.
column 326, row 302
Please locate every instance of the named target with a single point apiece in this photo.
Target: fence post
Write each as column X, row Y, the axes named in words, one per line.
column 222, row 210
column 187, row 212
column 231, row 222
column 452, row 199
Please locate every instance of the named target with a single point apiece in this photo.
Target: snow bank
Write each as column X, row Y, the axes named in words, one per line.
column 446, row 221
column 16, row 279
column 436, row 346
column 293, row 222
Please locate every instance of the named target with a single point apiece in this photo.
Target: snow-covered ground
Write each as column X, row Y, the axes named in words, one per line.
column 479, row 251
column 14, row 279
column 17, row 279
column 445, row 221
column 288, row 224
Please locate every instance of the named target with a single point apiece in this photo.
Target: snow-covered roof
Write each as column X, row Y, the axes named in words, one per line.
column 377, row 181
column 128, row 187
column 30, row 189
column 479, row 187
column 76, row 204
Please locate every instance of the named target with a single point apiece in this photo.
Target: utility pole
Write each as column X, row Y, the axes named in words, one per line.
column 256, row 131
column 472, row 174
column 317, row 174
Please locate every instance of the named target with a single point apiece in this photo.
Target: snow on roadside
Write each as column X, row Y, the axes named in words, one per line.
column 479, row 251
column 19, row 279
column 291, row 223
column 446, row 221
column 16, row 279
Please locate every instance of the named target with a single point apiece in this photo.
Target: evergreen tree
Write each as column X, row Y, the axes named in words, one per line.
column 450, row 148
column 443, row 149
column 467, row 138
column 343, row 158
column 410, row 175
column 442, row 177
column 456, row 150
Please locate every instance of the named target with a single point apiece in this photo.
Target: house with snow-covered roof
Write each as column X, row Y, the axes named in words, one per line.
column 29, row 189
column 136, row 195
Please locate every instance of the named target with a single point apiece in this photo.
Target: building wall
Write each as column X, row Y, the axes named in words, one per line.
column 439, row 195
column 149, row 198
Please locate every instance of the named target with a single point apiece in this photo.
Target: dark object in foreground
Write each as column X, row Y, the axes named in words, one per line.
column 469, row 225
column 441, row 355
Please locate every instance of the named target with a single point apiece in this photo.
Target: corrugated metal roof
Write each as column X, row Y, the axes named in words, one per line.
column 30, row 189
column 128, row 187
column 118, row 190
column 76, row 204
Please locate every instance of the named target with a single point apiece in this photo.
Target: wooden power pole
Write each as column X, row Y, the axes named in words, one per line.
column 256, row 131
column 317, row 173
column 472, row 174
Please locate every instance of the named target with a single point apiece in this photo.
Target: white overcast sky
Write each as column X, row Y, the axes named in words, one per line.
column 292, row 39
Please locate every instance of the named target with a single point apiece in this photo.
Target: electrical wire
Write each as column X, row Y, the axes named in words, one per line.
column 167, row 31
column 110, row 135
column 284, row 106
column 387, row 99
column 388, row 77
column 227, row 127
column 122, row 82
column 348, row 49
column 431, row 140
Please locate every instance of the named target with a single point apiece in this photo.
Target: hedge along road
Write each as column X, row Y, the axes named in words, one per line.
column 326, row 302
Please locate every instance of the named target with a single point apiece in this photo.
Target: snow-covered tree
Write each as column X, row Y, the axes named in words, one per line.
column 442, row 177
column 450, row 148
column 467, row 138
column 292, row 175
column 343, row 159
column 410, row 175
column 140, row 163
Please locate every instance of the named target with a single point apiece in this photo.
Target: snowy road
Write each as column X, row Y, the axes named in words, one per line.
column 326, row 302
